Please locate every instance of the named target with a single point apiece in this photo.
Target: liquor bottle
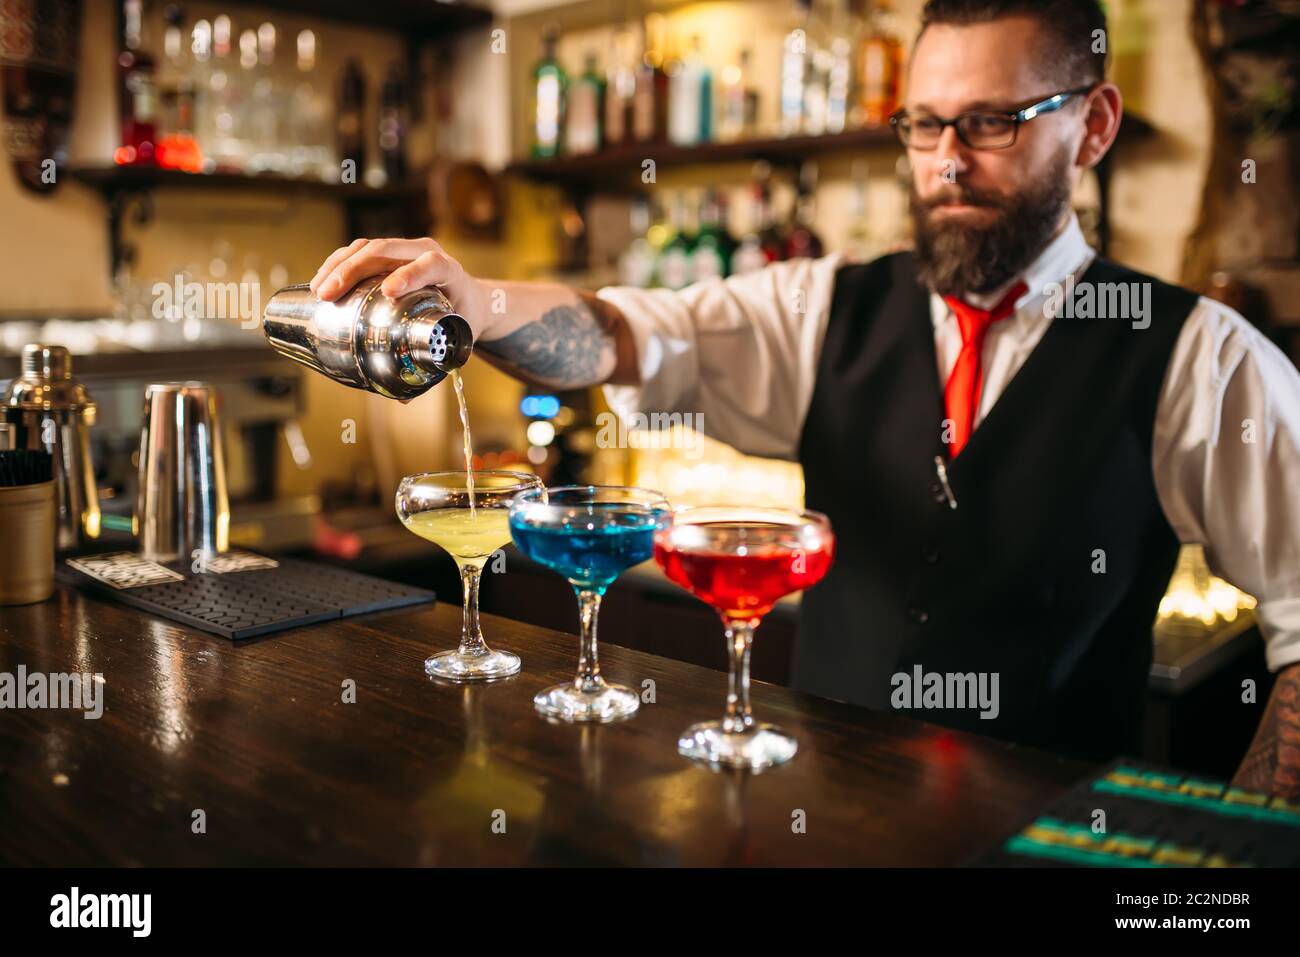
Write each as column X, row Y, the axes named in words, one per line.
column 674, row 267
column 585, row 110
column 176, row 147
column 749, row 255
column 771, row 236
column 310, row 153
column 860, row 244
column 137, row 92
column 620, row 89
column 839, row 75
column 350, row 121
column 803, row 241
column 650, row 101
column 738, row 101
column 636, row 266
column 690, row 99
column 711, row 257
column 882, row 66
column 796, row 66
column 549, row 82
column 392, row 125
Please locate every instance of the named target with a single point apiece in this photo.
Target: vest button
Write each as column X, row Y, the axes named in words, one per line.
column 918, row 616
column 930, row 554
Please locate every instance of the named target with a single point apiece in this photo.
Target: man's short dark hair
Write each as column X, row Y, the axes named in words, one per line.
column 1071, row 26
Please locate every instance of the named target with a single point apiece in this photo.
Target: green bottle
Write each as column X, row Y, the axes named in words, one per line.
column 549, row 87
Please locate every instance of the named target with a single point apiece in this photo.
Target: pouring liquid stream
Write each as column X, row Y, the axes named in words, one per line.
column 466, row 441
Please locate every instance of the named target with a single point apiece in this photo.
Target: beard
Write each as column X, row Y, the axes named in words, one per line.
column 953, row 258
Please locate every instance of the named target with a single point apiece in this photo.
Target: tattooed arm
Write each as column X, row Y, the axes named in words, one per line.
column 559, row 337
column 543, row 332
column 1273, row 761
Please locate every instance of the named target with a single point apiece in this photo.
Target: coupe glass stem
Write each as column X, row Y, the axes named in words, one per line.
column 471, row 637
column 588, row 678
column 740, row 636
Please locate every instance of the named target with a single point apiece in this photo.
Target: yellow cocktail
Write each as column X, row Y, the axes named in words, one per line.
column 467, row 515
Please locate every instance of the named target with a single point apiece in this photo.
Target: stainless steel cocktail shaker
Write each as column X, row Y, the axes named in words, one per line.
column 53, row 411
column 397, row 348
column 182, row 510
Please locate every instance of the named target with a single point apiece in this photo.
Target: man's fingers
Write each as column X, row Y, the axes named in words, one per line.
column 376, row 256
column 333, row 260
column 430, row 268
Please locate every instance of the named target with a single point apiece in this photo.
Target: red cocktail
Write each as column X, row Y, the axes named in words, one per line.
column 741, row 561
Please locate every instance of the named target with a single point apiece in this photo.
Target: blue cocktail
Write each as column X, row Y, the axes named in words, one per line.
column 588, row 534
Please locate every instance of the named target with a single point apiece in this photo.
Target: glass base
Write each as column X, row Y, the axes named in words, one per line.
column 456, row 666
column 603, row 703
column 762, row 746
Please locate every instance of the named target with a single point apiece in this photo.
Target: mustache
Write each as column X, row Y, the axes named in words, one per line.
column 960, row 194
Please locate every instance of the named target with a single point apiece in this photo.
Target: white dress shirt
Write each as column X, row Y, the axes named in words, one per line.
column 743, row 353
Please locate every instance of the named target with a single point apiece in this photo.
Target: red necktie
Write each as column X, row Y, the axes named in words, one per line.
column 962, row 394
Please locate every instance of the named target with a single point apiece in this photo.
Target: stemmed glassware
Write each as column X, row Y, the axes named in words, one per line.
column 741, row 560
column 468, row 520
column 589, row 534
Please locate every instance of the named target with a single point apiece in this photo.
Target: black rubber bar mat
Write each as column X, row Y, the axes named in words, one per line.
column 245, row 604
column 1136, row 815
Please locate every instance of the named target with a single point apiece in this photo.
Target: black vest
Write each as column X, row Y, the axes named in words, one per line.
column 1049, row 571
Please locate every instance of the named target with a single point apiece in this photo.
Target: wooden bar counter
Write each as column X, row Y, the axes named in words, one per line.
column 257, row 736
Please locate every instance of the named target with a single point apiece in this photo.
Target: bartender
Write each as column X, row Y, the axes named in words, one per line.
column 1010, row 435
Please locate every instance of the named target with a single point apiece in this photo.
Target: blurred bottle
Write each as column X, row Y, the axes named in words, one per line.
column 796, row 67
column 690, row 99
column 620, row 88
column 177, row 147
column 636, row 266
column 393, row 125
column 310, row 151
column 549, row 82
column 749, row 255
column 650, row 101
column 803, row 240
column 860, row 244
column 738, row 101
column 882, row 65
column 839, row 68
column 714, row 246
column 585, row 110
column 674, row 269
column 137, row 91
column 771, row 236
column 350, row 123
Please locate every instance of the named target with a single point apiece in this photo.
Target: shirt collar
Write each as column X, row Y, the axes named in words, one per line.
column 1067, row 254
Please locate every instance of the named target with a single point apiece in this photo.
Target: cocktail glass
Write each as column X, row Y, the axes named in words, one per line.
column 741, row 560
column 469, row 522
column 588, row 534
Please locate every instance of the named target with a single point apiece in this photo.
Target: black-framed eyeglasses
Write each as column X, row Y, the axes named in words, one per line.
column 978, row 129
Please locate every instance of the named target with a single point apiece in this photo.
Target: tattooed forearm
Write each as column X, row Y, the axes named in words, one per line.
column 570, row 346
column 1273, row 761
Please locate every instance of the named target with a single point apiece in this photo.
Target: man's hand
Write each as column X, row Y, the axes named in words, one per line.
column 1272, row 763
column 546, row 333
column 413, row 264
